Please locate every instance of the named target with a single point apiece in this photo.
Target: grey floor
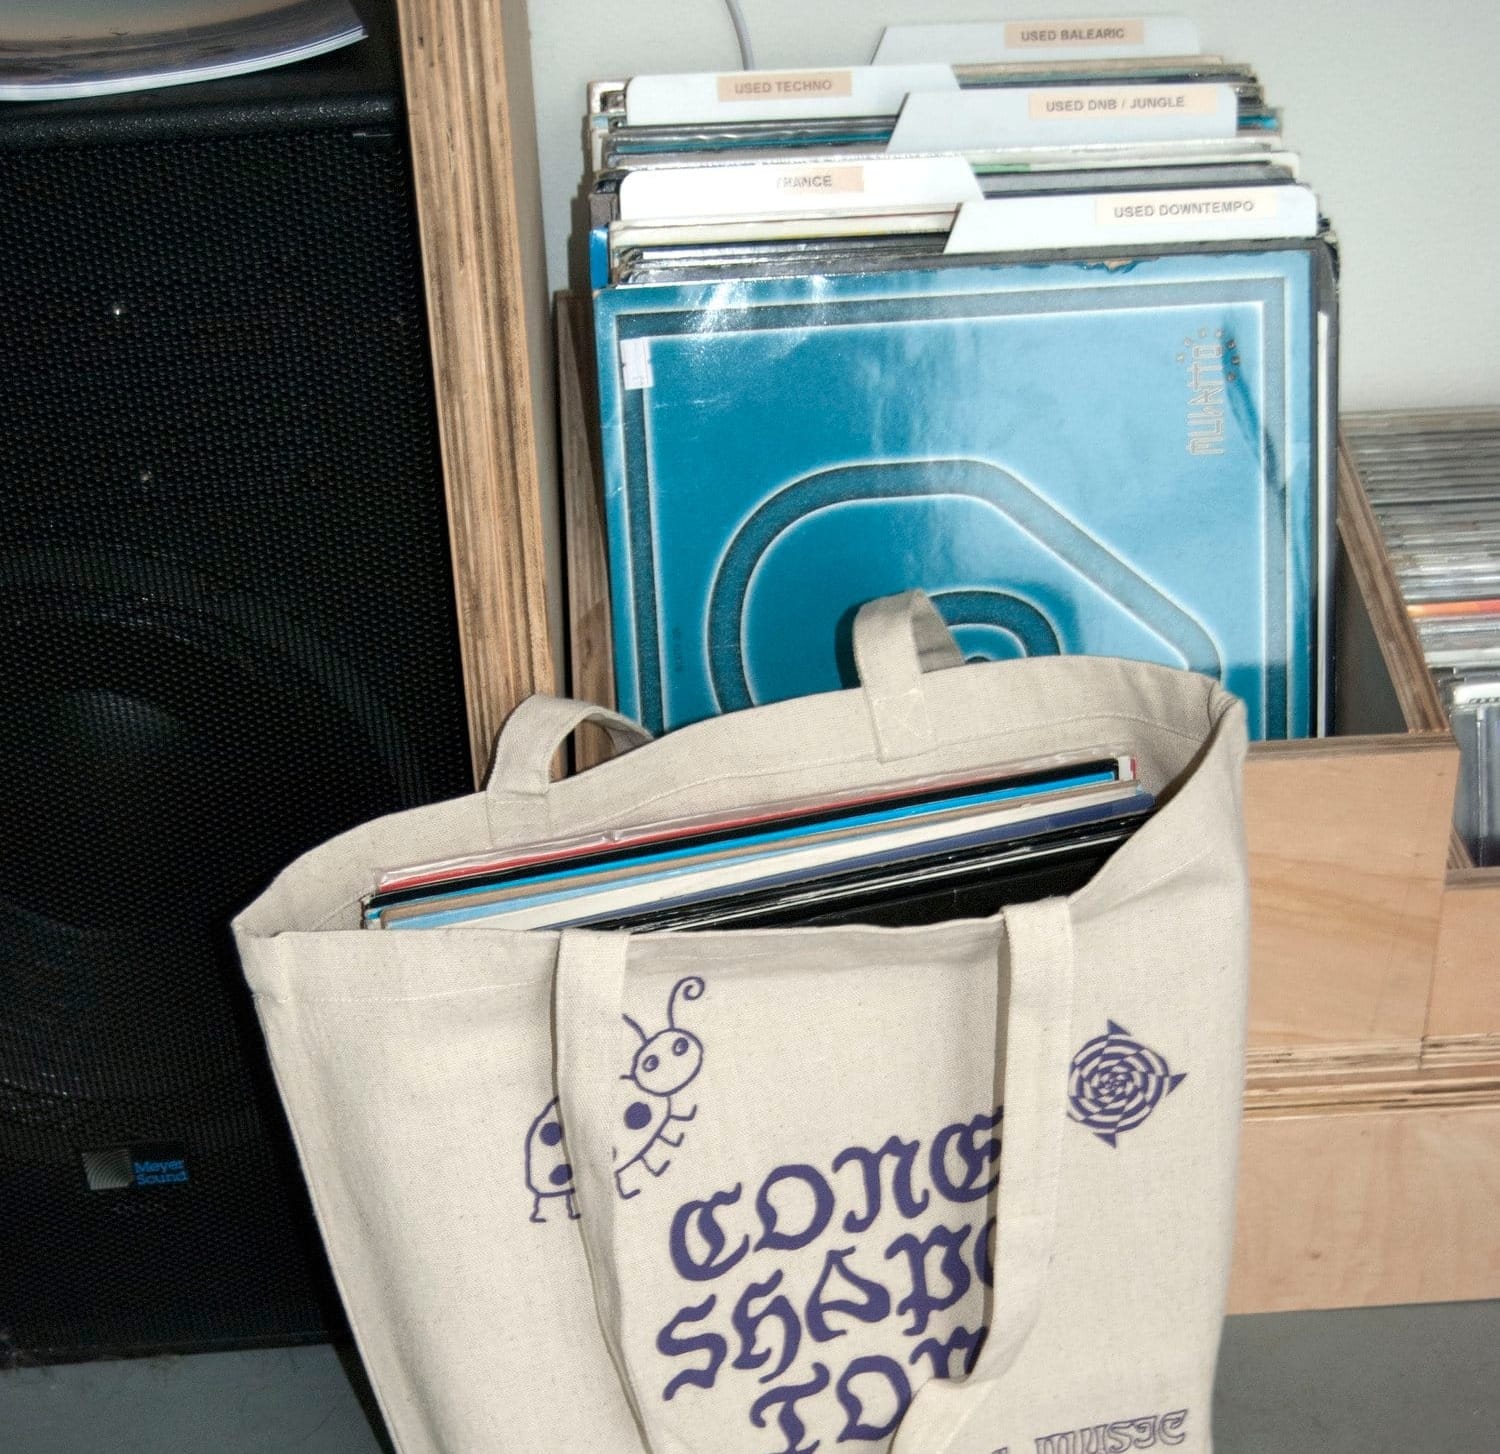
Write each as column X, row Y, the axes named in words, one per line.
column 1416, row 1380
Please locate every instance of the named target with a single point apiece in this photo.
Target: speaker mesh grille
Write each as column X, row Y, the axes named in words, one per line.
column 228, row 634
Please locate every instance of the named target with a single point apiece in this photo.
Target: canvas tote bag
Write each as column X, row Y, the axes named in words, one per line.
column 762, row 1192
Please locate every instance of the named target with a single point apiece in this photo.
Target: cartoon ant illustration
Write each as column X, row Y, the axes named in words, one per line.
column 662, row 1066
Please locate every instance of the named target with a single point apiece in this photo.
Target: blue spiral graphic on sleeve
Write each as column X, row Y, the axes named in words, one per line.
column 985, row 606
column 915, row 479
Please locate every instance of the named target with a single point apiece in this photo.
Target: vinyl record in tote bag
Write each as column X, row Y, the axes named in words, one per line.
column 961, row 1187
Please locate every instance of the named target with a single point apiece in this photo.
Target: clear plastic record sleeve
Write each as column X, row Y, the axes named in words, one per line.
column 1110, row 456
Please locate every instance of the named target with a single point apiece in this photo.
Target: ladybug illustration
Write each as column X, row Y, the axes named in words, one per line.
column 548, row 1173
column 662, row 1067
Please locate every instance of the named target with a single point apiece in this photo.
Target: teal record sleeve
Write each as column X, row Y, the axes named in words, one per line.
column 1108, row 458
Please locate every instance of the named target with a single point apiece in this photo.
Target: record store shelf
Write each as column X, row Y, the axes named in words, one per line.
column 1371, row 1146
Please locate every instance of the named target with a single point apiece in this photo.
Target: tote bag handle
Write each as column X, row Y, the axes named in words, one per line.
column 588, row 1005
column 592, row 1043
column 896, row 640
column 522, row 770
column 1039, row 1032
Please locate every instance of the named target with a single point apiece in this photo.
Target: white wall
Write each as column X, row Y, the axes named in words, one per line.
column 1393, row 104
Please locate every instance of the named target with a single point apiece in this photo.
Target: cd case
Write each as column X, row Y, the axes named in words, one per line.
column 1433, row 479
column 1083, row 455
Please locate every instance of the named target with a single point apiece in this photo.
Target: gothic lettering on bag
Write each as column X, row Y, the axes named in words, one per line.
column 663, row 1066
column 1115, row 1082
column 779, row 1275
column 1151, row 1431
column 895, row 1236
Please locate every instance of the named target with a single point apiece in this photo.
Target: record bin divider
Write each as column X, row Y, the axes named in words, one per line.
column 470, row 122
column 1371, row 1146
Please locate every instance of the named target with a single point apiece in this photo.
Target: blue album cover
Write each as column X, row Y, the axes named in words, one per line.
column 1111, row 459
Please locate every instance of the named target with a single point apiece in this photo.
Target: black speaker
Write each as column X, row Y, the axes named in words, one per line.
column 228, row 633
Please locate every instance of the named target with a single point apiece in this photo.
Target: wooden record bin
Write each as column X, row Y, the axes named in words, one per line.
column 1371, row 1149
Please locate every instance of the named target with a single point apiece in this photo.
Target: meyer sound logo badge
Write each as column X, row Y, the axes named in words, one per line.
column 118, row 1168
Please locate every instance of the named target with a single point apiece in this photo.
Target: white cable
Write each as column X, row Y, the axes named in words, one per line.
column 742, row 34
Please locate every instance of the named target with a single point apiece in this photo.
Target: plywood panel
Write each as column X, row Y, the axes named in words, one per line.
column 1348, row 848
column 590, row 665
column 472, row 125
column 1363, row 1209
column 1466, row 979
column 1444, row 1074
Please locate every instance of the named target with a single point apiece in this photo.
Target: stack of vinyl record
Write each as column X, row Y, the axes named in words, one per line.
column 1433, row 478
column 1035, row 316
column 912, row 852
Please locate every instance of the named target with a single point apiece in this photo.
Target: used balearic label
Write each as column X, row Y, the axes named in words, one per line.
column 1046, row 34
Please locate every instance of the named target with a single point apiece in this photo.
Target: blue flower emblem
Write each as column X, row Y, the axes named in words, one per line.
column 1115, row 1082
